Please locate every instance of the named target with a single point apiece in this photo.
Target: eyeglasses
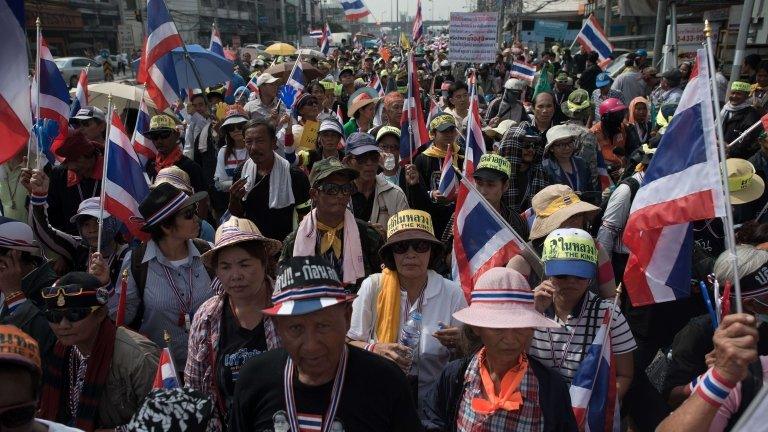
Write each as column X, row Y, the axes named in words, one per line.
column 334, row 189
column 17, row 415
column 238, row 127
column 84, row 123
column 419, row 246
column 66, row 290
column 368, row 157
column 161, row 135
column 189, row 212
column 563, row 144
column 72, row 315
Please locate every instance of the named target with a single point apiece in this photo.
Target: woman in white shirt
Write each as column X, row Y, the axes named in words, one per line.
column 407, row 286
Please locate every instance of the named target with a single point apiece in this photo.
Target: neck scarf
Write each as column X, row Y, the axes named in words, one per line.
column 388, row 307
column 436, row 152
column 73, row 179
column 330, row 239
column 56, row 390
column 280, row 189
column 509, row 397
column 733, row 108
column 352, row 252
column 164, row 161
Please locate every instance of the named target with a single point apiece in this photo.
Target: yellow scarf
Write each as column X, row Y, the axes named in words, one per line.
column 435, row 152
column 330, row 239
column 388, row 307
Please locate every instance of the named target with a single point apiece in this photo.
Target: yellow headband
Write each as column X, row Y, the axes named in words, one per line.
column 741, row 86
column 410, row 219
column 560, row 203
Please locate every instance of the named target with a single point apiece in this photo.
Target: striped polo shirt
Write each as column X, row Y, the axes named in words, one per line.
column 549, row 345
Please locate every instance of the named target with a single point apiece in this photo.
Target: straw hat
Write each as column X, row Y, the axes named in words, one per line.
column 503, row 299
column 238, row 230
column 360, row 98
column 175, row 176
column 553, row 205
column 743, row 184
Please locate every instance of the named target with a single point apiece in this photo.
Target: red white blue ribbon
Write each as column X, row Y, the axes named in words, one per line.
column 290, row 401
column 713, row 388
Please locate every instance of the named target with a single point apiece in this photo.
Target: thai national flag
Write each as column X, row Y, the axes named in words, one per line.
column 354, row 9
column 252, row 85
column 143, row 146
column 448, row 184
column 481, row 238
column 157, row 67
column 296, row 79
column 216, row 46
column 682, row 184
column 54, row 97
column 524, row 71
column 375, row 83
column 325, row 40
column 413, row 131
column 418, row 24
column 593, row 38
column 475, row 142
column 602, row 172
column 593, row 389
column 434, row 111
column 15, row 98
column 81, row 94
column 166, row 377
column 316, row 34
column 125, row 183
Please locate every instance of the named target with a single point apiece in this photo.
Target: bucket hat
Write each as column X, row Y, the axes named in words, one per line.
column 503, row 299
column 175, row 176
column 163, row 201
column 360, row 98
column 553, row 205
column 89, row 207
column 743, row 184
column 578, row 104
column 238, row 230
column 409, row 225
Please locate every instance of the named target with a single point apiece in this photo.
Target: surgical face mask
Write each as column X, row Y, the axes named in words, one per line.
column 389, row 161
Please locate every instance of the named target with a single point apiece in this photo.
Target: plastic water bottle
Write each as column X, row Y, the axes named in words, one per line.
column 409, row 337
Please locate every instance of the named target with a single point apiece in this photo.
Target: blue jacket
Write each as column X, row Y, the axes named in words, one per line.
column 586, row 183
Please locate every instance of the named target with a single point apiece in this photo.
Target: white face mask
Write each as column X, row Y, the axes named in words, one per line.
column 389, row 162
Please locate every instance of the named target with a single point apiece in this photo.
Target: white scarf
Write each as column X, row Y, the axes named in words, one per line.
column 280, row 190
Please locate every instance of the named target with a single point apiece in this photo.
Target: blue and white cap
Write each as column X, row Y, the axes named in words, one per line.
column 89, row 207
column 305, row 285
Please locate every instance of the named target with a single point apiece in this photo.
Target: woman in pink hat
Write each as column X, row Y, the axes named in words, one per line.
column 499, row 388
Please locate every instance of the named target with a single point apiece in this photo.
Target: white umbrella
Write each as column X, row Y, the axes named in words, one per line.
column 308, row 52
column 123, row 95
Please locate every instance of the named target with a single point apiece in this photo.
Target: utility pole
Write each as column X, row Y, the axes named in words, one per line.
column 282, row 18
column 741, row 40
column 607, row 18
column 661, row 27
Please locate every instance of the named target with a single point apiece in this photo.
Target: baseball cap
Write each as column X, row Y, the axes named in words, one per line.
column 332, row 125
column 158, row 123
column 603, row 79
column 75, row 290
column 361, row 142
column 570, row 252
column 442, row 123
column 304, row 285
column 387, row 130
column 327, row 167
column 89, row 207
column 265, row 78
column 641, row 52
column 19, row 348
column 493, row 167
column 87, row 113
column 76, row 145
column 235, row 114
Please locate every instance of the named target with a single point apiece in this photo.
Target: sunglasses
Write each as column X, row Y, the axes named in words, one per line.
column 14, row 416
column 334, row 189
column 419, row 246
column 66, row 290
column 84, row 123
column 73, row 315
column 564, row 277
column 526, row 146
column 237, row 127
column 161, row 135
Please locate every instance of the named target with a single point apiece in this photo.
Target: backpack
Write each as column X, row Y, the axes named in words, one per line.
column 139, row 272
column 633, row 184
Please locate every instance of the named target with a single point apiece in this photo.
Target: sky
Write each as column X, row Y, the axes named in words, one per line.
column 442, row 8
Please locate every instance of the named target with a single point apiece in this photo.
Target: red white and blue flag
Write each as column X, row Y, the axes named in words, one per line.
column 252, row 85
column 216, row 46
column 681, row 184
column 54, row 97
column 166, row 377
column 523, row 71
column 81, row 93
column 418, row 24
column 593, row 38
column 15, row 97
column 296, row 78
column 593, row 389
column 315, row 34
column 143, row 146
column 325, row 40
column 481, row 238
column 354, row 9
column 602, row 173
column 375, row 83
column 448, row 186
column 475, row 147
column 434, row 111
column 413, row 131
column 125, row 184
column 157, row 69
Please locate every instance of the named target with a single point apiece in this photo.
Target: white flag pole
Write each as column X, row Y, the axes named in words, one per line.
column 730, row 237
column 37, row 89
column 110, row 108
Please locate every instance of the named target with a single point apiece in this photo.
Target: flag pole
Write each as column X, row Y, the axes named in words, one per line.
column 188, row 59
column 412, row 94
column 745, row 133
column 39, row 44
column 730, row 237
column 104, row 173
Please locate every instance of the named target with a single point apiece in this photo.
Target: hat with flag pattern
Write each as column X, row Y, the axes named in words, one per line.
column 305, row 285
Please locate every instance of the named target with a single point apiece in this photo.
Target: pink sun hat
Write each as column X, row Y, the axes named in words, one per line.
column 502, row 299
